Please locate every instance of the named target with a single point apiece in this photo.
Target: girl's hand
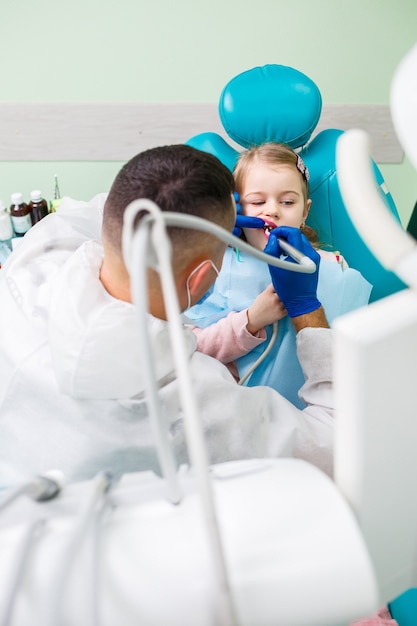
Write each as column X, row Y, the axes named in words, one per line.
column 264, row 310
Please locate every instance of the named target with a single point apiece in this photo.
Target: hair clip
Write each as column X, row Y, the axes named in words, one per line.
column 302, row 167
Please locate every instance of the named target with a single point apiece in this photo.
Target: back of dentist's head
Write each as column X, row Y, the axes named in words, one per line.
column 177, row 178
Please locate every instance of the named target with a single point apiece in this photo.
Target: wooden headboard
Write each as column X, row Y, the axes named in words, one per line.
column 118, row 131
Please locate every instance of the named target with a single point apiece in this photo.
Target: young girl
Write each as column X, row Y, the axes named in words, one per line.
column 272, row 182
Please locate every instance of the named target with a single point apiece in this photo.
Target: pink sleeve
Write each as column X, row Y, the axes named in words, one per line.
column 228, row 339
column 381, row 618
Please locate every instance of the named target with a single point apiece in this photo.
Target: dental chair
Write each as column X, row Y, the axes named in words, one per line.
column 279, row 103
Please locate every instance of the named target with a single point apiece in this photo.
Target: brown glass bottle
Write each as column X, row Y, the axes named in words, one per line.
column 20, row 214
column 38, row 206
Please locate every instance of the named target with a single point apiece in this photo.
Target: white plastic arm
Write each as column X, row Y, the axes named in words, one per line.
column 394, row 247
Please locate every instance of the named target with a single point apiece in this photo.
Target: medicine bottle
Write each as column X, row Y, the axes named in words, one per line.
column 20, row 214
column 38, row 206
column 6, row 228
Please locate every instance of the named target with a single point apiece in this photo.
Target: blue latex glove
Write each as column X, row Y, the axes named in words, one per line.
column 244, row 221
column 297, row 291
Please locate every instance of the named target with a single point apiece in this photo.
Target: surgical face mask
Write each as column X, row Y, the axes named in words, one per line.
column 187, row 284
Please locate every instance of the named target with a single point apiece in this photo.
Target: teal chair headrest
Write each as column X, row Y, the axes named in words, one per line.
column 270, row 103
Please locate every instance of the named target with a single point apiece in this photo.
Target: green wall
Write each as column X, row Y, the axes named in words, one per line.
column 186, row 51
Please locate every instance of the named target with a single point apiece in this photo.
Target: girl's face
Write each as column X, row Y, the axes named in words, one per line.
column 275, row 194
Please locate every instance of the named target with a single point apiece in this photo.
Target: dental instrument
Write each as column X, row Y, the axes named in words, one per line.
column 84, row 522
column 244, row 221
column 303, row 263
column 29, row 537
column 262, row 357
column 39, row 488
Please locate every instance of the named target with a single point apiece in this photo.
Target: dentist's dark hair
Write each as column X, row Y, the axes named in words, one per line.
column 177, row 178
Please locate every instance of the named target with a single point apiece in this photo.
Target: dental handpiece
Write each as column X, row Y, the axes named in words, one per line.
column 39, row 488
column 303, row 263
column 302, row 259
column 294, row 253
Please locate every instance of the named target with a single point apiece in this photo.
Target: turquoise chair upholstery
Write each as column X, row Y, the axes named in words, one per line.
column 404, row 608
column 279, row 103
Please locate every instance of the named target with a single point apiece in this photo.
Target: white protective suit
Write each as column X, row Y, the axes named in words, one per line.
column 71, row 384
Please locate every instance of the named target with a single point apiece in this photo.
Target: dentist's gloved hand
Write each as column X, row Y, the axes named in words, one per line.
column 244, row 221
column 297, row 291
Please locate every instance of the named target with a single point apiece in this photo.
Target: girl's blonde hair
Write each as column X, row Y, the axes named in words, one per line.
column 275, row 154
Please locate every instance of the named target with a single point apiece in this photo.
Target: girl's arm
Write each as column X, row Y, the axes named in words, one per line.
column 241, row 331
column 228, row 338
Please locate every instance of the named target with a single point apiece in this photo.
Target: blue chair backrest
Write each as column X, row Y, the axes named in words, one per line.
column 279, row 103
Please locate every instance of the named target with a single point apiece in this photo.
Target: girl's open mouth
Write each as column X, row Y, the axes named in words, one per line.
column 268, row 226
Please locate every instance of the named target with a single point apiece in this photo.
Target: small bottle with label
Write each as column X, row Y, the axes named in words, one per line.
column 6, row 228
column 6, row 234
column 38, row 206
column 20, row 214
